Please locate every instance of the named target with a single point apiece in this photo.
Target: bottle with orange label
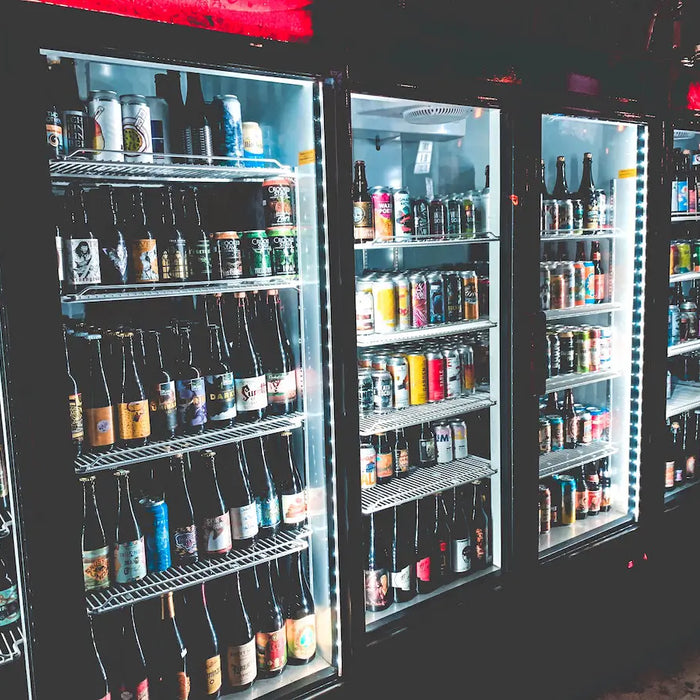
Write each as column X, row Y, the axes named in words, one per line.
column 98, row 415
column 385, row 458
column 270, row 633
column 173, row 661
column 142, row 243
column 133, row 417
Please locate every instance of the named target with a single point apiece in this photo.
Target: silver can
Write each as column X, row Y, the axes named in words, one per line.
column 605, row 347
column 364, row 306
column 466, row 361
column 106, row 112
column 545, row 280
column 160, row 128
column 602, row 208
column 365, row 391
column 566, row 214
column 551, row 215
column 136, row 129
column 403, row 217
column 382, row 384
column 397, row 366
column 453, row 371
column 565, row 270
column 459, row 439
column 443, row 442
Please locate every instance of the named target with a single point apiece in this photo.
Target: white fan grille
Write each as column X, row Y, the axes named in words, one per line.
column 435, row 114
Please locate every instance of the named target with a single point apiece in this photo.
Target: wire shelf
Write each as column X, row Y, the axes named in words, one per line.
column 561, row 235
column 685, row 216
column 11, row 643
column 562, row 460
column 419, row 242
column 684, row 277
column 585, row 310
column 568, row 381
column 81, row 166
column 178, row 577
column 424, row 413
column 684, row 397
column 425, row 482
column 5, row 524
column 683, row 348
column 374, row 339
column 119, row 292
column 187, row 443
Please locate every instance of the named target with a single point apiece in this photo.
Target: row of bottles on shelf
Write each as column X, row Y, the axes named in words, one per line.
column 574, row 495
column 683, row 313
column 391, row 214
column 209, row 639
column 386, row 302
column 585, row 211
column 115, row 236
column 682, row 449
column 124, row 390
column 685, row 181
column 569, row 424
column 580, row 349
column 566, row 284
column 184, row 511
column 416, row 547
column 148, row 128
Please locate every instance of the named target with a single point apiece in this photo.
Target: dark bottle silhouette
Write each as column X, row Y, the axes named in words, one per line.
column 299, row 615
column 423, row 544
column 134, row 674
column 239, row 498
column 213, row 520
column 403, row 558
column 134, row 421
column 568, row 413
column 290, row 487
column 270, row 629
column 191, row 389
column 168, row 87
column 173, row 657
column 264, row 490
column 142, row 243
column 129, row 557
column 442, row 567
column 171, row 244
column 479, row 528
column 81, row 254
column 561, row 188
column 197, row 126
column 75, row 405
column 96, row 677
column 238, row 639
column 587, row 194
column 460, row 538
column 378, row 593
column 183, row 531
column 198, row 246
column 219, row 383
column 114, row 252
column 160, row 387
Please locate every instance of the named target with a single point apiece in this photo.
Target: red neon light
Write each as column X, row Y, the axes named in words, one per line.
column 694, row 96
column 282, row 20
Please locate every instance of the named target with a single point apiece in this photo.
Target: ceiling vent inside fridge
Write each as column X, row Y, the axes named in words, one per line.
column 435, row 114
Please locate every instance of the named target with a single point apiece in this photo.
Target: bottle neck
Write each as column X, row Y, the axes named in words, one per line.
column 214, row 344
column 185, row 348
column 167, row 607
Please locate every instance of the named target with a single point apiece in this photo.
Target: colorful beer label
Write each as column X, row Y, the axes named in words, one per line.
column 251, row 393
column 140, row 692
column 479, row 544
column 401, row 579
column 191, row 402
column 82, row 260
column 281, row 387
column 96, row 569
column 385, row 465
column 461, row 555
column 144, row 257
column 129, row 560
column 376, row 588
column 268, row 510
column 241, row 664
column 100, row 426
column 212, row 668
column 221, row 396
column 182, row 683
column 294, row 508
column 9, row 606
column 163, row 407
column 134, row 420
column 271, row 650
column 185, row 541
column 75, row 407
column 301, row 637
column 173, row 260
column 362, row 220
column 402, row 464
column 215, row 534
column 581, row 502
column 244, row 521
column 423, row 569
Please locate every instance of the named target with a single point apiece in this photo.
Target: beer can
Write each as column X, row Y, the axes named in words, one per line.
column 565, row 208
column 589, row 282
column 579, row 283
column 397, row 366
column 453, row 297
column 435, row 363
column 368, row 465
column 154, row 523
column 136, row 128
column 283, row 250
column 105, row 110
column 554, row 354
column 595, row 334
column 556, row 426
column 453, row 371
column 365, row 391
column 696, row 256
column 160, row 128
column 567, row 514
column 253, row 146
column 257, row 258
column 77, row 130
column 466, row 362
column 402, row 215
column 460, row 444
column 279, row 202
column 419, row 299
column 602, row 208
column 482, row 290
column 470, row 294
column 596, row 422
column 454, row 216
column 585, row 428
column 436, row 298
column 421, row 227
column 551, row 215
column 382, row 390
column 605, row 347
column 582, row 348
column 545, row 508
column 468, row 223
column 384, row 297
column 417, row 377
column 364, row 306
column 605, row 423
column 443, row 442
column 379, row 360
column 578, row 216
column 382, row 213
column 227, row 134
column 567, row 362
column 364, row 360
column 403, row 301
column 545, row 436
column 227, row 260
column 566, row 270
column 437, row 218
column 545, row 282
column 673, row 258
column 557, row 289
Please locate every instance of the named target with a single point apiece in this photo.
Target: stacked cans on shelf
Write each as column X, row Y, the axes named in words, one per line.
column 592, row 425
column 567, row 215
column 386, row 302
column 567, row 284
column 684, row 256
column 578, row 349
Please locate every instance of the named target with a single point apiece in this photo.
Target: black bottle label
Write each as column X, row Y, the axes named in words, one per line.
column 221, row 396
column 200, row 260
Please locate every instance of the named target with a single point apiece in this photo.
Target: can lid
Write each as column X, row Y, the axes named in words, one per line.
column 111, row 94
column 229, row 97
column 132, row 99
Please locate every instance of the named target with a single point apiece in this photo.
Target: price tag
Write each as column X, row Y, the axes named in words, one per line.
column 429, row 188
column 307, row 157
column 627, row 172
column 423, row 158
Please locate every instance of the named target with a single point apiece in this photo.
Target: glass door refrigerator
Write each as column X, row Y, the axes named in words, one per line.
column 181, row 207
column 592, row 282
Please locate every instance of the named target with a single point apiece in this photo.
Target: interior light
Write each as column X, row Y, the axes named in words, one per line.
column 478, row 111
column 620, row 127
column 630, row 564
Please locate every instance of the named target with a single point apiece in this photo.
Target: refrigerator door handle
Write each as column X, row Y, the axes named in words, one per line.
column 538, row 341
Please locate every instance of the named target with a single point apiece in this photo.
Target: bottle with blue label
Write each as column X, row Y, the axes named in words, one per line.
column 9, row 599
column 264, row 490
column 129, row 554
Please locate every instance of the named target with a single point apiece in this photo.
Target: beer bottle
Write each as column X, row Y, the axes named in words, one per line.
column 97, row 676
column 460, row 541
column 423, row 545
column 403, row 557
column 203, row 655
column 568, row 413
column 172, row 244
column 479, row 529
column 219, row 383
column 81, row 253
column 270, row 629
column 605, row 485
column 599, row 291
column 441, row 543
column 290, row 487
column 692, row 454
column 173, row 661
column 198, row 247
column 581, row 495
column 239, row 639
column 361, row 205
column 402, row 462
column 94, row 543
column 239, row 498
column 385, row 458
column 251, row 384
column 98, row 415
column 486, row 200
column 561, row 189
column 581, row 252
column 134, row 675
column 562, row 251
column 679, row 461
column 670, row 455
column 212, row 515
column 9, row 598
column 197, row 129
column 593, row 487
column 378, row 593
column 54, row 123
column 190, row 388
column 183, row 531
column 277, row 359
column 586, row 193
column 162, row 399
column 299, row 615
column 114, row 254
column 264, row 490
column 132, row 409
column 544, row 192
column 75, row 404
column 552, row 406
column 168, row 87
column 142, row 243
column 129, row 555
column 426, row 451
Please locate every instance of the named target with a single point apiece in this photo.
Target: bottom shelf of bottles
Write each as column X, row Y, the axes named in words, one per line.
column 670, row 494
column 11, row 642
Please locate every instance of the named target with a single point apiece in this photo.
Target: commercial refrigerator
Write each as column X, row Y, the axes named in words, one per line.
column 291, row 104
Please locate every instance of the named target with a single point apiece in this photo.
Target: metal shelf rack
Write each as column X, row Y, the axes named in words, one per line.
column 684, row 397
column 562, row 460
column 568, row 381
column 585, row 310
column 683, row 348
column 371, row 340
column 179, row 577
column 11, row 643
column 213, row 437
column 425, row 482
column 424, row 413
column 684, row 277
column 423, row 242
column 685, row 216
column 561, row 235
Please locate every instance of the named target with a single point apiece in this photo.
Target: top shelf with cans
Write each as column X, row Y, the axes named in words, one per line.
column 426, row 241
column 83, row 165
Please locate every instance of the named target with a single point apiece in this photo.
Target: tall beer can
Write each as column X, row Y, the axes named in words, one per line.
column 402, row 215
column 454, row 216
column 579, row 283
column 470, row 295
column 417, row 377
column 466, row 357
column 459, row 438
column 453, row 371
column 436, row 298
column 106, row 112
column 419, row 299
column 364, row 306
column 443, row 442
column 397, row 366
column 382, row 213
column 384, row 298
column 136, row 128
column 544, row 286
column 453, row 297
column 421, row 226
column 436, row 375
column 403, row 301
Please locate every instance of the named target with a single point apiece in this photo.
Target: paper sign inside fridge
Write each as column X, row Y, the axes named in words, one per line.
column 423, row 158
column 281, row 20
column 307, row 157
column 627, row 172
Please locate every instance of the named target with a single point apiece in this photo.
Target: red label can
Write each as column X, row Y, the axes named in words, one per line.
column 436, row 376
column 382, row 213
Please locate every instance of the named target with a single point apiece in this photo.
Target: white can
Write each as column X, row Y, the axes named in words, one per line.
column 160, row 128
column 459, row 438
column 443, row 442
column 136, row 128
column 605, row 347
column 252, row 144
column 106, row 112
column 364, row 306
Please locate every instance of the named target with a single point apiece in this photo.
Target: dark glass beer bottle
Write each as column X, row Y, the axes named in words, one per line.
column 561, row 188
column 361, row 205
column 270, row 629
column 75, row 404
column 403, row 558
column 190, row 388
column 239, row 498
column 460, row 539
column 168, row 87
column 442, row 569
column 134, row 420
column 581, row 494
column 94, row 543
column 142, row 243
column 213, row 517
column 98, row 414
column 479, row 529
column 172, row 244
column 134, row 674
column 290, row 487
column 692, row 454
column 580, row 251
column 129, row 557
column 238, row 637
column 544, row 193
column 599, row 289
column 183, row 531
column 264, row 490
column 670, row 453
column 605, row 485
column 203, row 655
column 586, row 193
column 219, row 383
column 97, row 676
column 378, row 593
column 402, row 461
column 299, row 615
column 198, row 246
column 81, row 253
column 385, row 458
column 568, row 413
column 423, row 545
column 426, row 452
column 9, row 597
column 173, row 662
column 114, row 253
column 162, row 397
column 251, row 384
column 198, row 141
